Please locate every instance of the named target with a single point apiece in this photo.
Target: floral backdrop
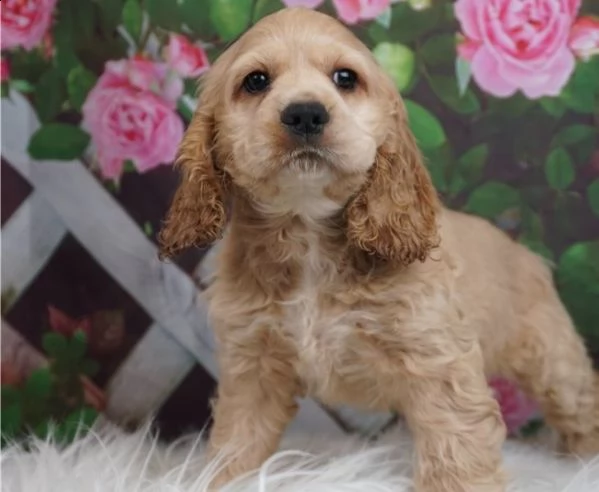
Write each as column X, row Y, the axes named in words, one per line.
column 502, row 95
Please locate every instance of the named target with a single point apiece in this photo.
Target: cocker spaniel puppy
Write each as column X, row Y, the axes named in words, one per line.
column 342, row 277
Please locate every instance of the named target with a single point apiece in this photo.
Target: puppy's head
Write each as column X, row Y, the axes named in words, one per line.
column 299, row 116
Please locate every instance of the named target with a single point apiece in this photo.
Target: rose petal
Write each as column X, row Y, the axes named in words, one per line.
column 486, row 75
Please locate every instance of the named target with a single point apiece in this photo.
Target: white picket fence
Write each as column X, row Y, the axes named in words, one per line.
column 67, row 198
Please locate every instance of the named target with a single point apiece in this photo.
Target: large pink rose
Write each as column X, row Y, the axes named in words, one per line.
column 130, row 116
column 584, row 37
column 516, row 408
column 185, row 58
column 353, row 11
column 518, row 44
column 24, row 22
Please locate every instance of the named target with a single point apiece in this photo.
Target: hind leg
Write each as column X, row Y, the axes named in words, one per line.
column 548, row 359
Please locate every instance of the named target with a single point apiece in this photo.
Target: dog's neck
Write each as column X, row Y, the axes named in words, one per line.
column 276, row 250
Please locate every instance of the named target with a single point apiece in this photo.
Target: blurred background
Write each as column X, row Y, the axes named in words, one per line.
column 502, row 95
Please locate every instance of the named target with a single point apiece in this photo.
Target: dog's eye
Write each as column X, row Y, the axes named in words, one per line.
column 345, row 78
column 256, row 82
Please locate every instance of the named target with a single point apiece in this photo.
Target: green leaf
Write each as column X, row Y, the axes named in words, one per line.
column 78, row 345
column 457, row 185
column 559, row 170
column 472, row 163
column 436, row 160
column 583, row 150
column 230, row 17
column 4, row 89
column 23, row 86
column 110, row 11
column 553, row 106
column 195, row 17
column 573, row 134
column 426, row 127
column 55, row 345
column 58, row 141
column 593, row 196
column 39, row 384
column 184, row 110
column 49, row 95
column 84, row 26
column 28, row 65
column 446, row 89
column 439, row 50
column 64, row 40
column 133, row 18
column 79, row 82
column 491, row 199
column 532, row 225
column 263, row 8
column 577, row 278
column 582, row 91
column 76, row 423
column 164, row 13
column 148, row 229
column 11, row 418
column 463, row 74
column 90, row 367
column 377, row 34
column 397, row 60
column 408, row 25
column 10, row 395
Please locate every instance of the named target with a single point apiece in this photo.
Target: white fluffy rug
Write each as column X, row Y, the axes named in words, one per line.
column 112, row 461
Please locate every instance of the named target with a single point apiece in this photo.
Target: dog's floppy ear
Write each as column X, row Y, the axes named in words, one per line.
column 197, row 214
column 393, row 217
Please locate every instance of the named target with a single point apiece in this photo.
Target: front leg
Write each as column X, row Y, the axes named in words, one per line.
column 255, row 402
column 456, row 422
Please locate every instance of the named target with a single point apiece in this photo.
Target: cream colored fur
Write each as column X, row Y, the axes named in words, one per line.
column 343, row 278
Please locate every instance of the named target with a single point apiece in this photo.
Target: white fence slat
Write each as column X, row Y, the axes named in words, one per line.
column 111, row 236
column 117, row 243
column 29, row 238
column 152, row 371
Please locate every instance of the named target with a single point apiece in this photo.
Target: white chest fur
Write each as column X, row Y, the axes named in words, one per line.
column 320, row 324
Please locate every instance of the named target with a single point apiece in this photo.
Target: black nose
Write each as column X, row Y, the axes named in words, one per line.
column 305, row 118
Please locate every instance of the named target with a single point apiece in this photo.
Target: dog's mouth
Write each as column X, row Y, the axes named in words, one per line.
column 308, row 158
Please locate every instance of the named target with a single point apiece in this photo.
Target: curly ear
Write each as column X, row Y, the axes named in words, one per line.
column 197, row 214
column 393, row 217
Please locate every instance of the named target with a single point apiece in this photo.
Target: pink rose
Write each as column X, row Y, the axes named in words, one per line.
column 353, row 11
column 584, row 37
column 185, row 58
column 310, row 4
column 516, row 408
column 4, row 70
column 24, row 22
column 518, row 44
column 130, row 116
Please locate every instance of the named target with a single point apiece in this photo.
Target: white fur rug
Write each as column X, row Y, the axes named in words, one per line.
column 111, row 461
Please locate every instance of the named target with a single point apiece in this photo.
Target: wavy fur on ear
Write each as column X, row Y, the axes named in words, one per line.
column 394, row 216
column 197, row 216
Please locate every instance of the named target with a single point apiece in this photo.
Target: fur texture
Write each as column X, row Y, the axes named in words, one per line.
column 342, row 277
column 112, row 461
